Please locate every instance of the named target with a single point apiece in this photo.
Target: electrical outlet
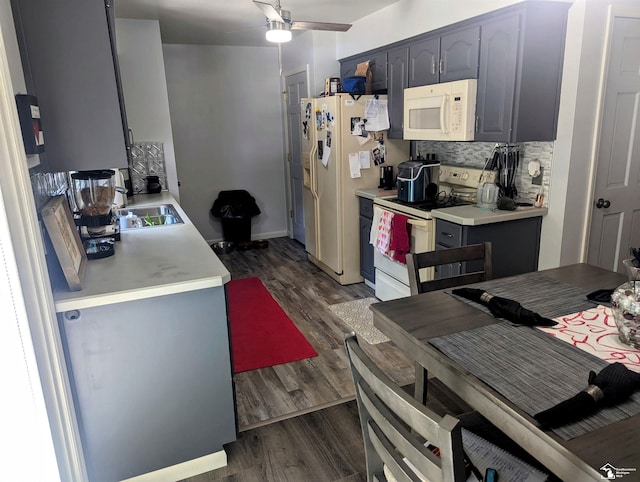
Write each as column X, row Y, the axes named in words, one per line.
column 538, row 179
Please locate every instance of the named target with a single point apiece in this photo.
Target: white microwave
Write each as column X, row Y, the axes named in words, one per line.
column 440, row 112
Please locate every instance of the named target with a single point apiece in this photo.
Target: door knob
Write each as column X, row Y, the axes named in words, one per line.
column 603, row 203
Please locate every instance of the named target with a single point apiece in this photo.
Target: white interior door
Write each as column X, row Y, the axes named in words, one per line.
column 296, row 87
column 615, row 224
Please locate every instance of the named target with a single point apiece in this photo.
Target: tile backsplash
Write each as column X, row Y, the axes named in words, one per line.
column 46, row 185
column 147, row 160
column 475, row 154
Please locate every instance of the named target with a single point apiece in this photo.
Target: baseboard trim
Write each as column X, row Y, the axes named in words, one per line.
column 184, row 470
column 257, row 236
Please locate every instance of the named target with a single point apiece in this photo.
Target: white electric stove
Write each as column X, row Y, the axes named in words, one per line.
column 458, row 185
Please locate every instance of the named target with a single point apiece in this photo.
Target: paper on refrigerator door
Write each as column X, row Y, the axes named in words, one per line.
column 326, row 152
column 354, row 165
column 377, row 115
column 365, row 159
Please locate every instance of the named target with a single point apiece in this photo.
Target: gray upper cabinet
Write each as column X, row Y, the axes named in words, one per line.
column 424, row 62
column 521, row 55
column 445, row 58
column 516, row 53
column 397, row 74
column 71, row 67
column 459, row 53
column 377, row 65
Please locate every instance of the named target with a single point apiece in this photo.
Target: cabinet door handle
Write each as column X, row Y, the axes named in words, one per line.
column 448, row 235
column 442, row 66
column 433, row 65
column 131, row 139
column 477, row 123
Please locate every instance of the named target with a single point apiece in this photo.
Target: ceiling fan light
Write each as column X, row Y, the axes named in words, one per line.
column 278, row 32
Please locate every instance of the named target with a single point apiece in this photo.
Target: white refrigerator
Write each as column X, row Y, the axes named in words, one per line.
column 331, row 209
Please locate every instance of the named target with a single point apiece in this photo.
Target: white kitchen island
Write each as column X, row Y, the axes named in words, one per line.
column 147, row 348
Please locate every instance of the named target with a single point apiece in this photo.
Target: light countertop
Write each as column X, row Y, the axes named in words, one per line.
column 376, row 192
column 148, row 262
column 474, row 216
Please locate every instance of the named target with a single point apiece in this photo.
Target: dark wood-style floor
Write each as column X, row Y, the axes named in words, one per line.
column 299, row 421
column 304, row 292
column 321, row 446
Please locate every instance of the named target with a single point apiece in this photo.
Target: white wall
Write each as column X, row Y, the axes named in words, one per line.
column 145, row 88
column 317, row 49
column 407, row 18
column 226, row 116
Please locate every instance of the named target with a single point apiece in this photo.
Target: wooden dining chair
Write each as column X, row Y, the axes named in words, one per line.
column 416, row 262
column 393, row 423
column 481, row 253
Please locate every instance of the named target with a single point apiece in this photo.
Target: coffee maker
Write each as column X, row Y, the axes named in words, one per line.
column 94, row 193
column 386, row 178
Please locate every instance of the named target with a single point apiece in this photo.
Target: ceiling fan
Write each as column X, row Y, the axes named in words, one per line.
column 279, row 23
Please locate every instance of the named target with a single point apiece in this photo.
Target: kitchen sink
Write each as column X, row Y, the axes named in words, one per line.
column 148, row 217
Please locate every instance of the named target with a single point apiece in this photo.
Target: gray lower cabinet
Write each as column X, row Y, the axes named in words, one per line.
column 151, row 381
column 367, row 270
column 521, row 56
column 515, row 245
column 70, row 64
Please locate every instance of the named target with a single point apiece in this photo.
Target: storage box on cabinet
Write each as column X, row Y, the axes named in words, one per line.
column 377, row 66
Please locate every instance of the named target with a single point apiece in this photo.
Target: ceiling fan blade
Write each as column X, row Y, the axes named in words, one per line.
column 335, row 27
column 269, row 11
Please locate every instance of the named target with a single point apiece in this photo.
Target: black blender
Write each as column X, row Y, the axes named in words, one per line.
column 94, row 193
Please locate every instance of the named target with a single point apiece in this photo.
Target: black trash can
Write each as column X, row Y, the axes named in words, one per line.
column 235, row 209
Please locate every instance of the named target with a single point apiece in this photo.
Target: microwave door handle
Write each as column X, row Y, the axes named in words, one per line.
column 443, row 126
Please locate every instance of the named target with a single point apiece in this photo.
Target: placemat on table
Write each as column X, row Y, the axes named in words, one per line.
column 532, row 369
column 536, row 292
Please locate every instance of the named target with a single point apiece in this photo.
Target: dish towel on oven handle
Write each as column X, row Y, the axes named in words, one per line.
column 383, row 241
column 400, row 243
column 373, row 235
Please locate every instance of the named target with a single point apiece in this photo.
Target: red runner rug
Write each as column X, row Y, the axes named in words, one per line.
column 262, row 335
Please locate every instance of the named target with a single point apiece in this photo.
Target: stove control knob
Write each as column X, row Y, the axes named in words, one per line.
column 465, row 176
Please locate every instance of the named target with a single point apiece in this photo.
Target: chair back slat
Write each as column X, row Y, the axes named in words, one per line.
column 417, row 262
column 395, row 426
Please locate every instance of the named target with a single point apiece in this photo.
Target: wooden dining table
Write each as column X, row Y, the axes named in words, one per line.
column 413, row 321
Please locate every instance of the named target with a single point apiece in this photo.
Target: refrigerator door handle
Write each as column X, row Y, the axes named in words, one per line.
column 314, row 173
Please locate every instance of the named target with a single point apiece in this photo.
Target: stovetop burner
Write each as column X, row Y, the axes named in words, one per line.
column 448, row 201
column 423, row 206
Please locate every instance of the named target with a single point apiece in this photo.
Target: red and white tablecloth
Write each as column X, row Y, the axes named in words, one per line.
column 595, row 332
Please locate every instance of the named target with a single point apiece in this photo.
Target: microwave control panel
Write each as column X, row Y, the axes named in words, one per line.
column 456, row 123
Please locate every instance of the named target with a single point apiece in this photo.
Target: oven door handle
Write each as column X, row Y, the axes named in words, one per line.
column 418, row 222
